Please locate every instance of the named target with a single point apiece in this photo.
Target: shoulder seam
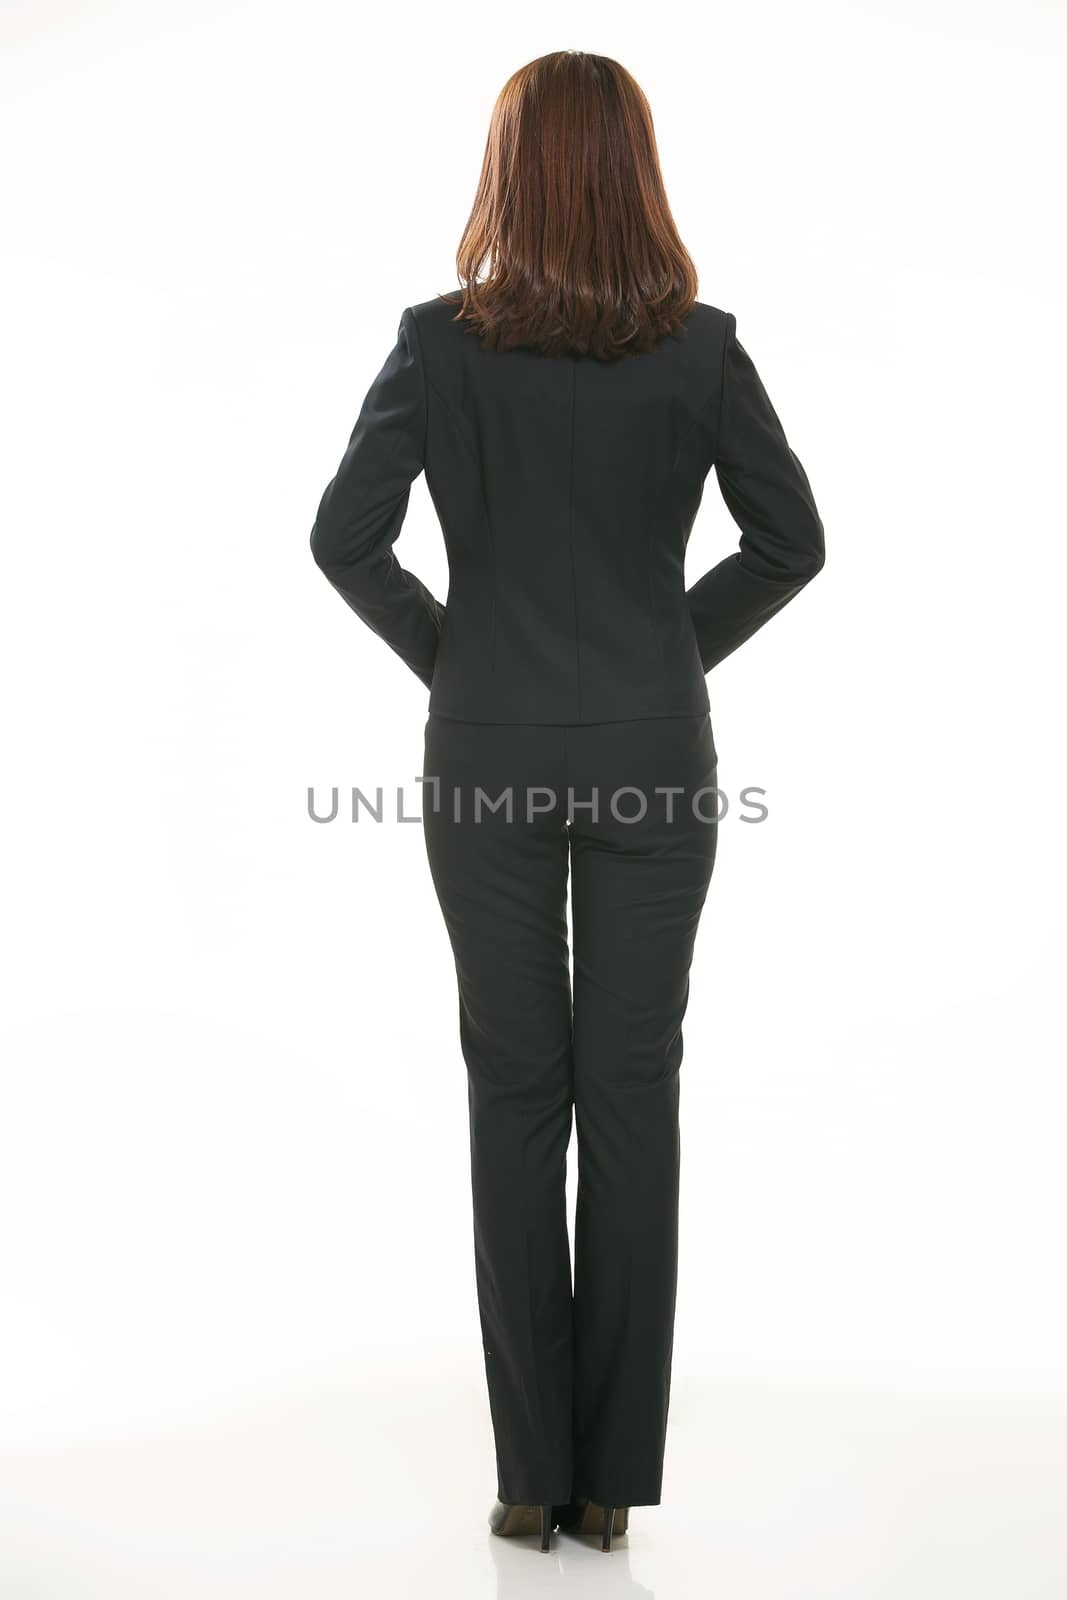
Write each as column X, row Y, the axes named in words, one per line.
column 731, row 329
column 408, row 315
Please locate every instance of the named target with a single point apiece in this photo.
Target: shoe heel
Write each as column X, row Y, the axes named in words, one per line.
column 616, row 1520
column 509, row 1520
column 546, row 1527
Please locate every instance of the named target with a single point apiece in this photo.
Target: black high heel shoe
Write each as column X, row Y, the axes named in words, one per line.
column 583, row 1516
column 509, row 1521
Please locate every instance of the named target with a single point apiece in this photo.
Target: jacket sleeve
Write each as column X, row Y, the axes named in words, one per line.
column 363, row 508
column 767, row 493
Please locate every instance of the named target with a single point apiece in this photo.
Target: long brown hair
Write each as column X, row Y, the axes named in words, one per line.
column 571, row 218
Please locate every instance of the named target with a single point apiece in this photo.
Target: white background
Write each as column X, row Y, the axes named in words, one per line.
column 233, row 1154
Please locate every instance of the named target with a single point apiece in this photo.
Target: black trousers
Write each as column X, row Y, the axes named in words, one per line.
column 578, row 1371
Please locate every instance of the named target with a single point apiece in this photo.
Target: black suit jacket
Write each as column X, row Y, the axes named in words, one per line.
column 566, row 490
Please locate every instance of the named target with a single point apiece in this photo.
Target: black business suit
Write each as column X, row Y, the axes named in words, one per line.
column 569, row 662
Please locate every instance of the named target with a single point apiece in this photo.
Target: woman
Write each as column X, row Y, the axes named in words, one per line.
column 566, row 406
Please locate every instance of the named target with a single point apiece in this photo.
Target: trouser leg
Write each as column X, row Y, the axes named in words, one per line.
column 502, row 887
column 638, row 889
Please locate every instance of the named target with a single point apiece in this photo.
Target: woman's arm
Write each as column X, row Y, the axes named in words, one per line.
column 363, row 507
column 769, row 497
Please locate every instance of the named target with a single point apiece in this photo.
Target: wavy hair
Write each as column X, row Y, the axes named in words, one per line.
column 570, row 247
